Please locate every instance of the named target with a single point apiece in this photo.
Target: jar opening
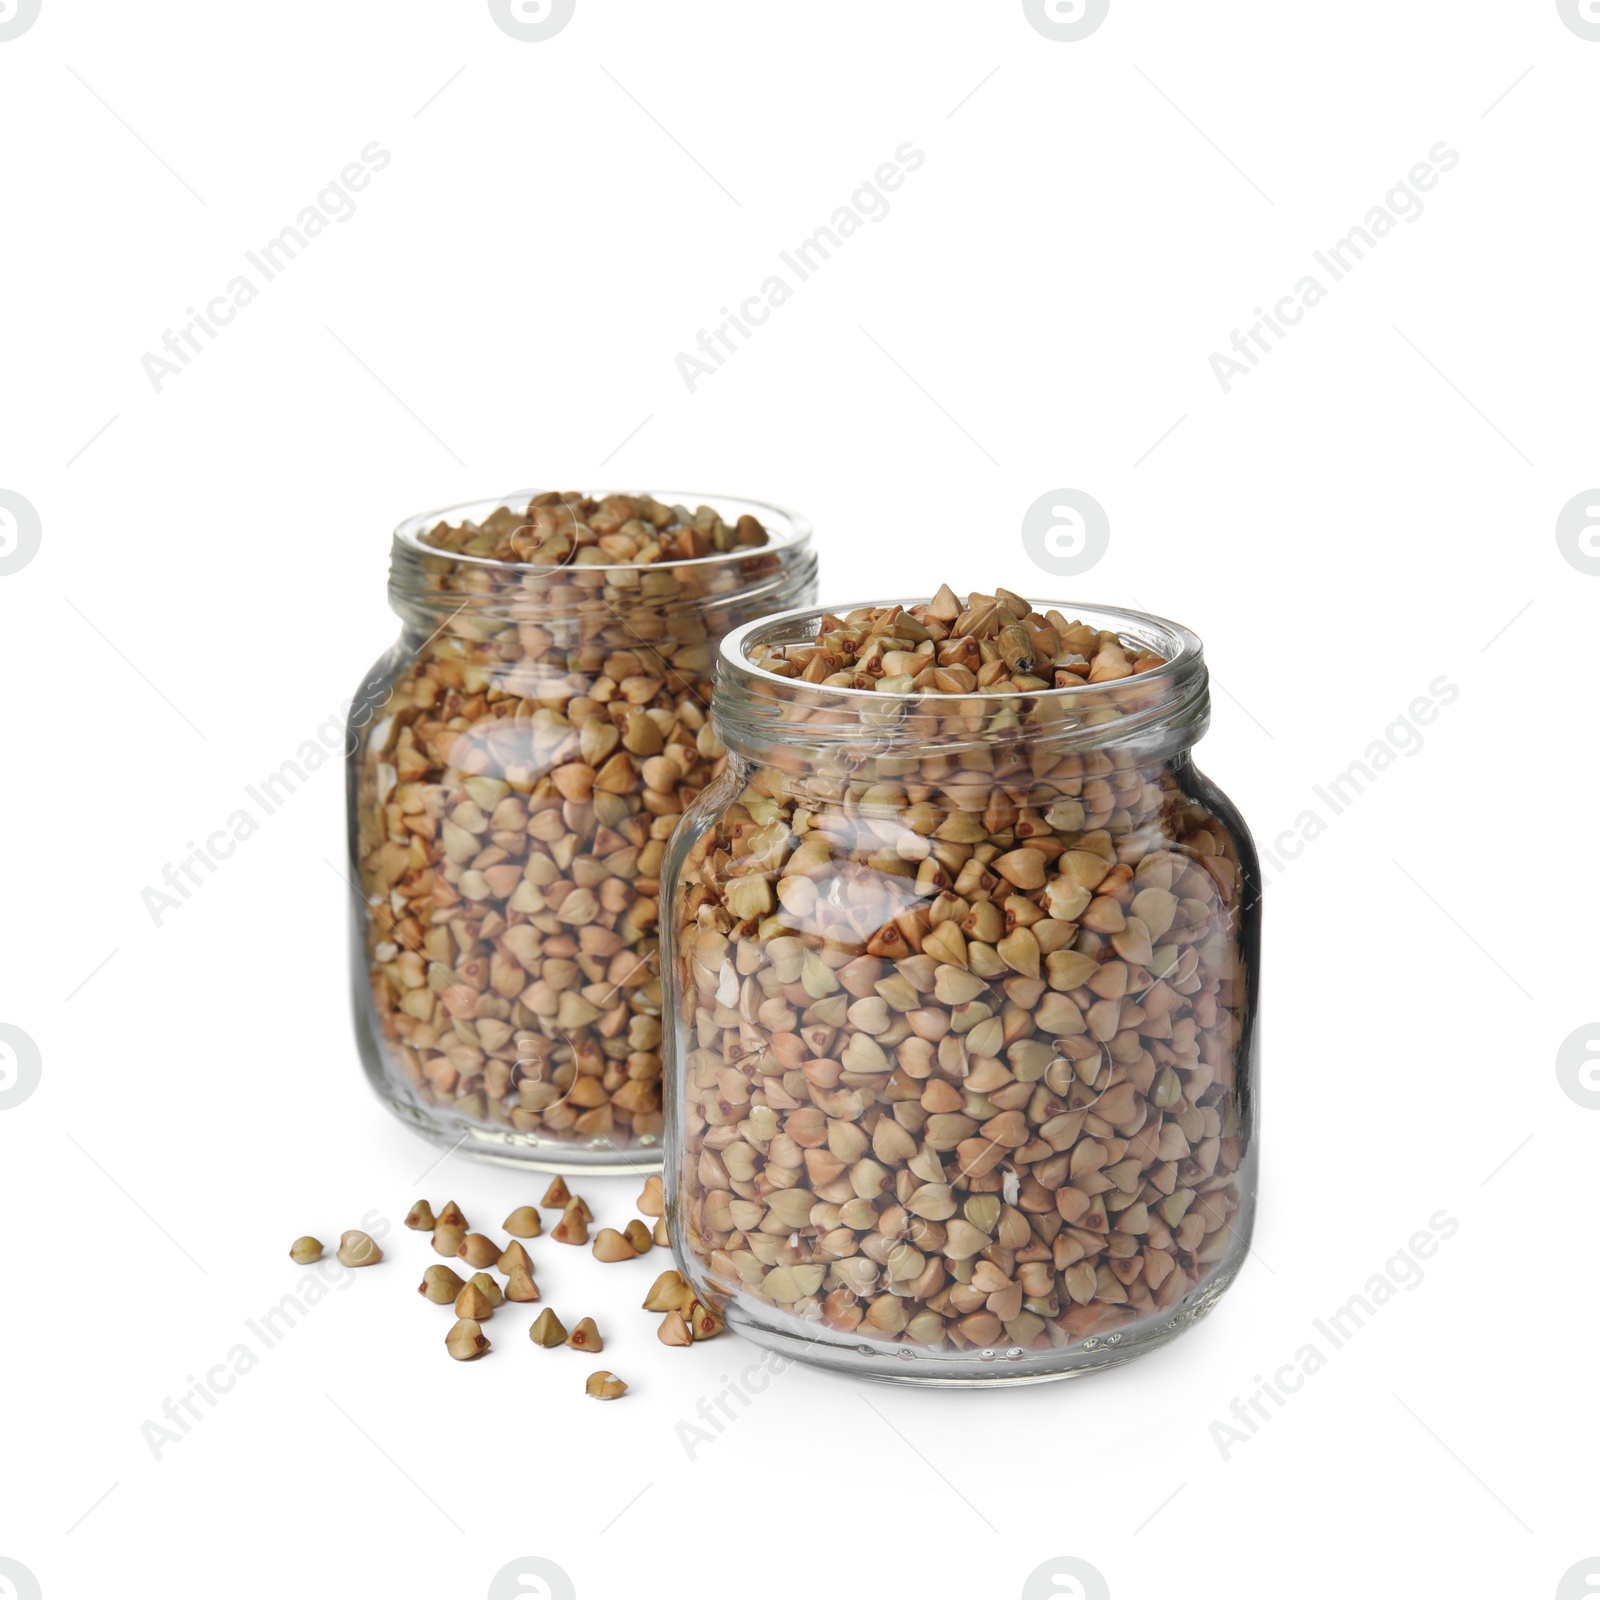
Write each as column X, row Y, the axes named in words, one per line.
column 1157, row 711
column 431, row 584
column 783, row 527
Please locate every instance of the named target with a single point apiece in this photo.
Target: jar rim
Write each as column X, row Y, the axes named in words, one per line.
column 786, row 529
column 1186, row 658
column 1158, row 711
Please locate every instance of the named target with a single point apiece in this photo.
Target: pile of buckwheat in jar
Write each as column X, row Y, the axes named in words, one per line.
column 512, row 832
column 962, row 1023
column 620, row 530
column 996, row 643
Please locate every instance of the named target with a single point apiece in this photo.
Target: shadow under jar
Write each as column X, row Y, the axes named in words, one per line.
column 519, row 759
column 963, row 993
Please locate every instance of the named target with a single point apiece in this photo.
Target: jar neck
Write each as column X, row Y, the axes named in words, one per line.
column 860, row 738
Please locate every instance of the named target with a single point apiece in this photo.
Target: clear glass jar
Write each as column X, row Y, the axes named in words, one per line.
column 519, row 759
column 939, row 1168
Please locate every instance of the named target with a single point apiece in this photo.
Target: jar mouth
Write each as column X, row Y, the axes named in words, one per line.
column 1179, row 646
column 1165, row 707
column 786, row 529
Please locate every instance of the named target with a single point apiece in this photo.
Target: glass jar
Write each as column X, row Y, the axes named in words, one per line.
column 903, row 1141
column 519, row 759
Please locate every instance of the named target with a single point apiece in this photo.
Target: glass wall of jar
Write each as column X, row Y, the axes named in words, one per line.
column 963, row 992
column 519, row 759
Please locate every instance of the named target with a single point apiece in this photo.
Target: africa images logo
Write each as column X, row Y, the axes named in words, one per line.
column 20, row 1066
column 532, row 21
column 1578, row 1066
column 16, row 1582
column 1065, row 532
column 531, row 1578
column 1582, row 16
column 20, row 533
column 1066, row 21
column 1578, row 533
column 16, row 17
column 1065, row 1578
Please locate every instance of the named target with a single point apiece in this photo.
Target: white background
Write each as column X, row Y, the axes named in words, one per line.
column 1374, row 506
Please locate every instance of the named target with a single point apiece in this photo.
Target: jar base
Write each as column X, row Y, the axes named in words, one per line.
column 932, row 1369
column 504, row 1147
